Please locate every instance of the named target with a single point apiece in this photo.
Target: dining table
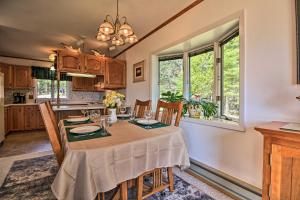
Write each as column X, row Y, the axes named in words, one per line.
column 99, row 164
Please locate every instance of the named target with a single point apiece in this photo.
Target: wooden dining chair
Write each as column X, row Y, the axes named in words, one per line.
column 52, row 133
column 140, row 107
column 51, row 112
column 164, row 113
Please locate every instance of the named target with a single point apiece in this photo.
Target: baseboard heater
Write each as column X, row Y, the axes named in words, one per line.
column 229, row 185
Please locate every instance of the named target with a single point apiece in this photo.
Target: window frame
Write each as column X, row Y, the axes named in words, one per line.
column 232, row 35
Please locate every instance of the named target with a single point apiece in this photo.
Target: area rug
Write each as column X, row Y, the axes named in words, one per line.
column 32, row 178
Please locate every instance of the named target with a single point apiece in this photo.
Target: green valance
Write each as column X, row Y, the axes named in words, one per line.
column 47, row 74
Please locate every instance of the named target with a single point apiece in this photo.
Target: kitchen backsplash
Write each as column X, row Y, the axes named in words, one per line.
column 71, row 95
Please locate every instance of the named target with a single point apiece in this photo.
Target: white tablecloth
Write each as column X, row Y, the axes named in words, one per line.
column 99, row 165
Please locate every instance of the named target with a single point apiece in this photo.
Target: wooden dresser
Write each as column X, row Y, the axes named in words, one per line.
column 281, row 160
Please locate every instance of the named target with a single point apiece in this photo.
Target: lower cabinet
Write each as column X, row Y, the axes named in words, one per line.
column 20, row 118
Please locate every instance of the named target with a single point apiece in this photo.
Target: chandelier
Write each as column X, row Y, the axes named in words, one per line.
column 118, row 30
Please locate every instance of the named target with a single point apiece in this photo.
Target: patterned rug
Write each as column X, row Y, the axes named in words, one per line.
column 32, row 178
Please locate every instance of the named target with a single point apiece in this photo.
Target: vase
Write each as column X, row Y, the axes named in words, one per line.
column 113, row 115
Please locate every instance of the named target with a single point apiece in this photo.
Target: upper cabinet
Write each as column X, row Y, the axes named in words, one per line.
column 16, row 77
column 115, row 74
column 7, row 70
column 70, row 61
column 94, row 64
column 113, row 71
column 22, row 77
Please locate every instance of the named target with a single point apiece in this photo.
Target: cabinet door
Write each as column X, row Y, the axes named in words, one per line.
column 17, row 118
column 285, row 173
column 30, row 122
column 78, row 83
column 22, row 77
column 115, row 74
column 69, row 61
column 93, row 65
column 7, row 120
column 39, row 119
column 90, row 84
column 7, row 70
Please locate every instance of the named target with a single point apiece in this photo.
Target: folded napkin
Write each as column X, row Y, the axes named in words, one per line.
column 66, row 123
column 157, row 125
column 72, row 137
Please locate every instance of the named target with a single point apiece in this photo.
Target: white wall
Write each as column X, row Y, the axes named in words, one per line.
column 269, row 74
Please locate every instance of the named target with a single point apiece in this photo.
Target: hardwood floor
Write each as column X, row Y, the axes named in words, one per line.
column 24, row 142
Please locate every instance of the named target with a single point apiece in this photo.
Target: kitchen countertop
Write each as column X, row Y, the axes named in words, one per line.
column 20, row 104
column 77, row 107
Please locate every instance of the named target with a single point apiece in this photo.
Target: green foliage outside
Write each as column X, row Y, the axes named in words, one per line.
column 202, row 75
column 44, row 88
column 231, row 87
column 171, row 76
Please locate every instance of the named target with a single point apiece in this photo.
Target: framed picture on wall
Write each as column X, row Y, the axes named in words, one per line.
column 139, row 71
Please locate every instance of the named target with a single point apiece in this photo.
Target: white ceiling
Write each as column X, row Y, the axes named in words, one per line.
column 202, row 39
column 34, row 28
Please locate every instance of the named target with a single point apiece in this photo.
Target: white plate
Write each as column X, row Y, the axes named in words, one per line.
column 123, row 115
column 80, row 119
column 84, row 129
column 147, row 122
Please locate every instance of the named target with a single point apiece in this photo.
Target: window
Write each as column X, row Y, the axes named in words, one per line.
column 202, row 72
column 171, row 74
column 44, row 88
column 230, row 70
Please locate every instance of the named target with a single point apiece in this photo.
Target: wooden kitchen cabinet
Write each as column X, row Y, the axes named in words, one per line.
column 7, row 70
column 94, row 64
column 7, row 119
column 115, row 74
column 22, row 77
column 83, row 84
column 40, row 122
column 281, row 162
column 70, row 61
column 17, row 118
column 30, row 118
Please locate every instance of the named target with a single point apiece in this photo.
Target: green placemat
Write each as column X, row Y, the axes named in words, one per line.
column 76, row 137
column 66, row 123
column 123, row 118
column 157, row 125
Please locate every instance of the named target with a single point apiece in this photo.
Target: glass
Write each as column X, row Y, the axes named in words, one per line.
column 202, row 75
column 83, row 112
column 104, row 124
column 171, row 76
column 131, row 114
column 230, row 89
column 148, row 116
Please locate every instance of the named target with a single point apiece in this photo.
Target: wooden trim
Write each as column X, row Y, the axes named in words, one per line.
column 168, row 21
column 17, row 57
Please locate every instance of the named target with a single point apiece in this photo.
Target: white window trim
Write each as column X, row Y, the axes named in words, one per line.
column 225, row 124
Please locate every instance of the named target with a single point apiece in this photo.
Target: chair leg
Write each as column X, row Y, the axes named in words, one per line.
column 101, row 196
column 171, row 179
column 140, row 185
column 124, row 191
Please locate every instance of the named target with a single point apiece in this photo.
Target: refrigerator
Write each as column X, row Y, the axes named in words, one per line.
column 2, row 130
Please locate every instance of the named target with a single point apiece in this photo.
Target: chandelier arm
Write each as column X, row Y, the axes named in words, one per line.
column 107, row 19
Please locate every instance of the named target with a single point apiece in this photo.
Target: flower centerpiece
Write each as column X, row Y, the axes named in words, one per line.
column 113, row 100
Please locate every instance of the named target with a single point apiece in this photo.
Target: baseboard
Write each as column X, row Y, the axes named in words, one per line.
column 229, row 185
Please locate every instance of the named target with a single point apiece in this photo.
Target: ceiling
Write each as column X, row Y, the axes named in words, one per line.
column 202, row 39
column 34, row 28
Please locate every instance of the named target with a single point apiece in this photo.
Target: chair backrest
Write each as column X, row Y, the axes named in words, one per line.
column 52, row 133
column 140, row 107
column 52, row 114
column 168, row 110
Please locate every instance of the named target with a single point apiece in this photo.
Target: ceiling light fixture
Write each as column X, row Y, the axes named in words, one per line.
column 118, row 32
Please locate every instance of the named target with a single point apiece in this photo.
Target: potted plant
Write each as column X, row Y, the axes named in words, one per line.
column 113, row 100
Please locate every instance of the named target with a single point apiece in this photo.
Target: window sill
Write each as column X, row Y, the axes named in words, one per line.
column 219, row 123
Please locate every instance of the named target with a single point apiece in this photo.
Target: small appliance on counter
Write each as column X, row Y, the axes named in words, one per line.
column 30, row 97
column 19, row 97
